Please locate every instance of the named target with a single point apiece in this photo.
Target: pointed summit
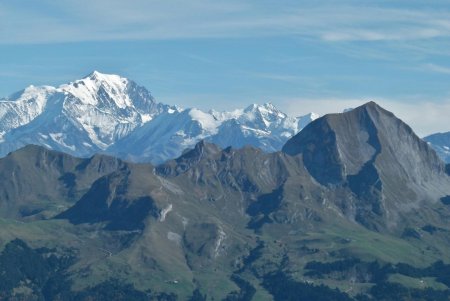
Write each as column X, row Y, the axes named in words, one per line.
column 191, row 157
column 201, row 149
column 266, row 108
column 95, row 74
column 336, row 145
column 105, row 77
column 365, row 149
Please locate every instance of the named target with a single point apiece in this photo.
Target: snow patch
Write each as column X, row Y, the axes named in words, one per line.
column 164, row 212
column 218, row 248
column 146, row 118
column 206, row 120
column 175, row 237
column 184, row 221
column 59, row 138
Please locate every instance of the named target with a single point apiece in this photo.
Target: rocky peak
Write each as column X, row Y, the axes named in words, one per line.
column 202, row 151
column 337, row 145
column 365, row 149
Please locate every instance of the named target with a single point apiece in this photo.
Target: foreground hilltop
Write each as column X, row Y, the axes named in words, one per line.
column 354, row 207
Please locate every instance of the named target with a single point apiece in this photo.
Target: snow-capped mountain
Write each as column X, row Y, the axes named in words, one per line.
column 441, row 144
column 22, row 107
column 80, row 118
column 170, row 133
column 109, row 113
column 263, row 126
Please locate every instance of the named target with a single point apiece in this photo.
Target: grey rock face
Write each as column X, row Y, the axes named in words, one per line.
column 387, row 167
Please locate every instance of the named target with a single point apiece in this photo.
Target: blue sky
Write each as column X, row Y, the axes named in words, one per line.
column 302, row 56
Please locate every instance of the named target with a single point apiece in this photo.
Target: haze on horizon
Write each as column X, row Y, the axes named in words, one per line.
column 322, row 57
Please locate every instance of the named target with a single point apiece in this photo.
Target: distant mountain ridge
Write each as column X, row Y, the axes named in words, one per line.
column 441, row 143
column 111, row 114
column 170, row 133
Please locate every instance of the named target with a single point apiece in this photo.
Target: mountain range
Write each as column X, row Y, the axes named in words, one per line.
column 354, row 207
column 106, row 113
column 111, row 114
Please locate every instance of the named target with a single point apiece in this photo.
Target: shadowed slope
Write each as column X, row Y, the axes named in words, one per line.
column 37, row 182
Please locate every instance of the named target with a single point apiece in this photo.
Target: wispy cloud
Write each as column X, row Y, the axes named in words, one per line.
column 436, row 68
column 69, row 21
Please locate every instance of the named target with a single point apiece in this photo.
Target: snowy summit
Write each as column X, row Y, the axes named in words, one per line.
column 110, row 113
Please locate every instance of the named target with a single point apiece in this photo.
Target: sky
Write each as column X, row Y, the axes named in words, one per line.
column 302, row 56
